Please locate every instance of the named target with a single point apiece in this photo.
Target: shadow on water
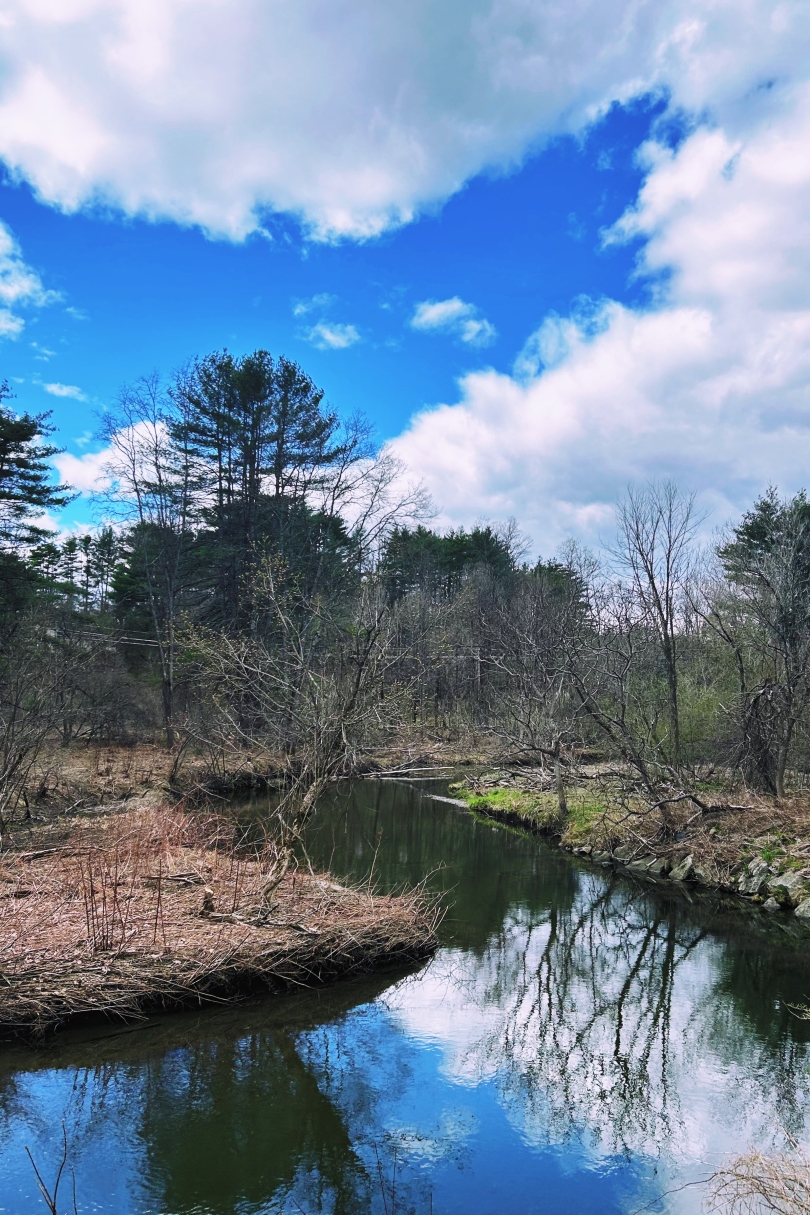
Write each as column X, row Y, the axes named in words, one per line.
column 580, row 1042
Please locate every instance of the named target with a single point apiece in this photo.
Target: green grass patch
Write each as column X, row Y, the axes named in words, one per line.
column 538, row 810
column 583, row 814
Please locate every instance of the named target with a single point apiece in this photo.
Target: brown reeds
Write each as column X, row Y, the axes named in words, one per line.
column 158, row 908
column 756, row 1184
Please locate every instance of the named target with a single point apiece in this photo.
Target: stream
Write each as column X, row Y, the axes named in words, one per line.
column 582, row 1042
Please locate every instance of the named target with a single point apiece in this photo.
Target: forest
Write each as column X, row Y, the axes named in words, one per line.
column 265, row 588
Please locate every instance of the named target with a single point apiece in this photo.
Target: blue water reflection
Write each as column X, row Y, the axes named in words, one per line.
column 580, row 1043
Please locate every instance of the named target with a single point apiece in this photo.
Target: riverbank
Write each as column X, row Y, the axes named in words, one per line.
column 148, row 907
column 753, row 848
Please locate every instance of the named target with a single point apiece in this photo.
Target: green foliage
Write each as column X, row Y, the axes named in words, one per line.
column 260, row 446
column 421, row 559
column 79, row 572
column 767, row 623
column 26, row 486
column 770, row 524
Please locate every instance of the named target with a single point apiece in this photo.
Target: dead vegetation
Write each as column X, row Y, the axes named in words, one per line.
column 155, row 907
column 756, row 1184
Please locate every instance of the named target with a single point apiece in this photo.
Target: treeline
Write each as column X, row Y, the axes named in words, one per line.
column 267, row 581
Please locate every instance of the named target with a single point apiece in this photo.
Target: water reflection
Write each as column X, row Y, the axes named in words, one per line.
column 633, row 1020
column 579, row 1043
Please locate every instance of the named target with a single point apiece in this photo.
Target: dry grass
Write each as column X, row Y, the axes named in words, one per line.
column 85, row 774
column 155, row 907
column 92, row 775
column 755, row 1184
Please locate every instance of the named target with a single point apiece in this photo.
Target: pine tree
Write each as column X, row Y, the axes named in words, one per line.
column 261, row 443
column 26, row 485
column 26, row 490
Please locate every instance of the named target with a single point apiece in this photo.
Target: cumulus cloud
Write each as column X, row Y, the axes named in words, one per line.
column 330, row 335
column 20, row 286
column 354, row 117
column 65, row 390
column 711, row 384
column 456, row 317
column 85, row 473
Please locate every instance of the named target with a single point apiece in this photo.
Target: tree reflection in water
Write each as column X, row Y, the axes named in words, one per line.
column 629, row 1021
column 579, row 1039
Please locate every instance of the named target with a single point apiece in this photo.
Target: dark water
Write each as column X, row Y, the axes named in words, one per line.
column 579, row 1044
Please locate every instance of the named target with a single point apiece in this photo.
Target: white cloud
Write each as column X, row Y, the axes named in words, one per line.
column 456, row 317
column 328, row 335
column 710, row 385
column 85, row 473
column 20, row 286
column 439, row 314
column 354, row 117
column 315, row 303
column 65, row 390
column 10, row 325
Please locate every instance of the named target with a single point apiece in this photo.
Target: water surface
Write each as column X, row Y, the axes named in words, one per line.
column 580, row 1043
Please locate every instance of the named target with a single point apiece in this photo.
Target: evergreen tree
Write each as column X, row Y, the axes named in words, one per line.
column 261, row 443
column 26, row 486
column 437, row 565
column 26, row 490
column 768, row 563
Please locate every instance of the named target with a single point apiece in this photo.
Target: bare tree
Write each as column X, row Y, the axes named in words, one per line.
column 524, row 629
column 32, row 671
column 657, row 527
column 314, row 691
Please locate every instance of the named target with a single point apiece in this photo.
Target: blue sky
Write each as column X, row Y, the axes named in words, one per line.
column 547, row 254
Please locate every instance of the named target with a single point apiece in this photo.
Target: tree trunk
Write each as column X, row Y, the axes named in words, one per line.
column 782, row 758
column 558, row 779
column 168, row 707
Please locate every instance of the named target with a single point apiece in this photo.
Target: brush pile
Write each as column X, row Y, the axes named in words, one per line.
column 157, row 908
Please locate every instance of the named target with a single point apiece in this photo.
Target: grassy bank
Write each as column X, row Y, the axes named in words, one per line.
column 151, row 908
column 756, row 848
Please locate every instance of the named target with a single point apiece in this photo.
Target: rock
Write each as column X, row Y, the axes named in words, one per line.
column 623, row 853
column 789, row 887
column 756, row 878
column 642, row 863
column 703, row 875
column 803, row 910
column 601, row 856
column 770, row 905
column 660, row 867
column 684, row 871
column 584, row 850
